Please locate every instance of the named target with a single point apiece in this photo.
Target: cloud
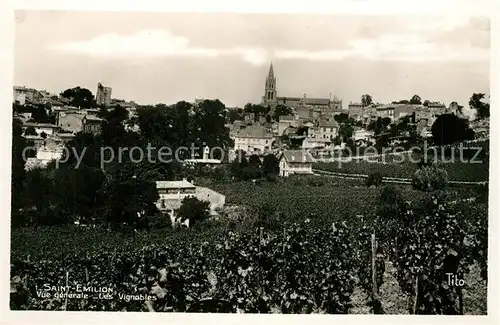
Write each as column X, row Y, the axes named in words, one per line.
column 411, row 42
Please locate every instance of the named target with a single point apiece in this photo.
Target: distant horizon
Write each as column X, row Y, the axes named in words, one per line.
column 162, row 59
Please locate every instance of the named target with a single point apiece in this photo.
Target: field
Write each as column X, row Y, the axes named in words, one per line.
column 403, row 167
column 320, row 198
column 300, row 267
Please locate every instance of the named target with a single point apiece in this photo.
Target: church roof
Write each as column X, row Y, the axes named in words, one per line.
column 317, row 101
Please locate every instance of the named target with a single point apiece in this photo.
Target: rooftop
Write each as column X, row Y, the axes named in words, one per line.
column 286, row 118
column 40, row 125
column 93, row 118
column 297, row 156
column 327, row 124
column 254, row 131
column 174, row 184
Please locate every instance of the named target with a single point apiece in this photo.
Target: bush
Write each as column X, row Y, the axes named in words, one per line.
column 271, row 177
column 430, row 178
column 374, row 179
column 160, row 221
column 316, row 181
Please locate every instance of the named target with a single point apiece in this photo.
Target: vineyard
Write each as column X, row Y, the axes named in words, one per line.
column 298, row 268
column 405, row 165
column 322, row 199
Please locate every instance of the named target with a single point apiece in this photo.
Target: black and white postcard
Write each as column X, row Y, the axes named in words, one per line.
column 225, row 163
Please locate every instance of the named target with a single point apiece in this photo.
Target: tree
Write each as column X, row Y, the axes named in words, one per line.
column 254, row 160
column 455, row 105
column 152, row 121
column 448, row 129
column 18, row 173
column 302, row 130
column 238, row 164
column 391, row 202
column 379, row 125
column 79, row 97
column 482, row 108
column 430, row 178
column 129, row 199
column 281, row 110
column 374, row 179
column 416, row 100
column 337, row 141
column 235, row 115
column 30, row 130
column 209, row 122
column 258, row 110
column 404, row 101
column 193, row 210
column 341, row 118
column 366, row 100
column 346, row 131
column 270, row 165
column 39, row 113
column 426, row 103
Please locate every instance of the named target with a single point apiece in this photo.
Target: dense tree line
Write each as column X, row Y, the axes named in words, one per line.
column 88, row 183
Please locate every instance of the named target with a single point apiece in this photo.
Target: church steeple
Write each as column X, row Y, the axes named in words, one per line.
column 270, row 89
column 271, row 72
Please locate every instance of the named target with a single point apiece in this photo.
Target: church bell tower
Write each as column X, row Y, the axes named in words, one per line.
column 270, row 93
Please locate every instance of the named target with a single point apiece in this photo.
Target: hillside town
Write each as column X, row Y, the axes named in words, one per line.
column 319, row 126
column 292, row 161
column 280, row 182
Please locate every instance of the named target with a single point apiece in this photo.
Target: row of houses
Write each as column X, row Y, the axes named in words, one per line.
column 366, row 114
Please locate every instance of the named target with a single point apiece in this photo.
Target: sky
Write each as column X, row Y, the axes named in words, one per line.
column 167, row 57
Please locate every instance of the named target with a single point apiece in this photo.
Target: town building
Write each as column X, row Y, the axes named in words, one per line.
column 404, row 110
column 423, row 113
column 271, row 99
column 249, row 117
column 327, row 129
column 25, row 95
column 79, row 122
column 40, row 128
column 172, row 193
column 284, row 122
column 253, row 139
column 295, row 162
column 51, row 149
column 206, row 160
column 384, row 111
column 103, row 95
column 355, row 111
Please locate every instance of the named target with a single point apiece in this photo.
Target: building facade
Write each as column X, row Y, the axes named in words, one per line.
column 172, row 193
column 40, row 128
column 295, row 162
column 355, row 111
column 253, row 139
column 77, row 122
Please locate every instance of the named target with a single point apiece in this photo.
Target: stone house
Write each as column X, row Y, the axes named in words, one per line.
column 295, row 162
